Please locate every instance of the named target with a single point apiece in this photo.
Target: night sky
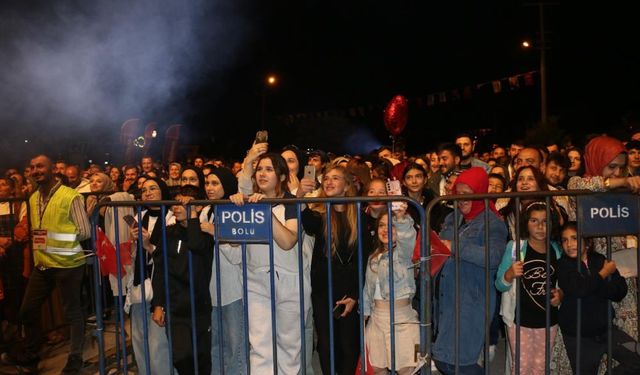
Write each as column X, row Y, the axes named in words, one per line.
column 75, row 72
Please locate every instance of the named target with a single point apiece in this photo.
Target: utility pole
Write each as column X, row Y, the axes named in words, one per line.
column 543, row 68
column 542, row 45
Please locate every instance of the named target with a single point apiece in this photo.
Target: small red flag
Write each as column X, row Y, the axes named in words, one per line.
column 106, row 253
column 439, row 252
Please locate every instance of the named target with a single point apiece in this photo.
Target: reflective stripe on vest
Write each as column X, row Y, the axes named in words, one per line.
column 68, row 237
column 63, row 250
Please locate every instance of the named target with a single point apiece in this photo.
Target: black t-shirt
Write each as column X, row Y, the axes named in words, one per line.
column 533, row 289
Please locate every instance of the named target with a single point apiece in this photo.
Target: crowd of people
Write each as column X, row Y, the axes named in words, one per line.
column 45, row 250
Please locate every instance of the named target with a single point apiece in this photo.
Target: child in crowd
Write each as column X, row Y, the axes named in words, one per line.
column 530, row 265
column 595, row 284
column 377, row 295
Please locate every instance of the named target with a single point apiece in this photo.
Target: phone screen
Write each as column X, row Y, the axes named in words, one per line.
column 262, row 136
column 130, row 220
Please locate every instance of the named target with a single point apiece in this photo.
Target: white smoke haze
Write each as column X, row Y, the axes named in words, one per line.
column 91, row 64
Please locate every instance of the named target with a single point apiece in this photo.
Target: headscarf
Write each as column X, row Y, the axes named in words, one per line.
column 109, row 186
column 227, row 179
column 599, row 152
column 476, row 178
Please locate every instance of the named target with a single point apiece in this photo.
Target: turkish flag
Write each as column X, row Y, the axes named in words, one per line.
column 439, row 252
column 106, row 253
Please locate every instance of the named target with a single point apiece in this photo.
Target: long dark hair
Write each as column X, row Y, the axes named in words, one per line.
column 539, row 205
column 280, row 168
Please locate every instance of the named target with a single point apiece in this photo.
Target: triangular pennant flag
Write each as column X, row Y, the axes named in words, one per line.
column 497, row 86
column 442, row 97
column 514, row 82
column 528, row 79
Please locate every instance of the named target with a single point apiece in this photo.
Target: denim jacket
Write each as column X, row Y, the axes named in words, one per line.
column 472, row 287
column 378, row 270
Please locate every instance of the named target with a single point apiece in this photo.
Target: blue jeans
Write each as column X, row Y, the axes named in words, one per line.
column 158, row 344
column 449, row 369
column 233, row 339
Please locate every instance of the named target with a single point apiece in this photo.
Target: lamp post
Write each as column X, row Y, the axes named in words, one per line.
column 270, row 81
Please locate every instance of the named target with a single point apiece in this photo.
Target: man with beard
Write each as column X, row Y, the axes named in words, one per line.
column 59, row 222
column 466, row 144
column 130, row 176
column 449, row 156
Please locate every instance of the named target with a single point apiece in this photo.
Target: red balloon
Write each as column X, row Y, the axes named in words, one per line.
column 396, row 114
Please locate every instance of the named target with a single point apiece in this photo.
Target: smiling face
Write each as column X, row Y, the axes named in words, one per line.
column 96, row 183
column 41, row 169
column 114, row 174
column 334, row 183
column 463, row 206
column 174, row 171
column 383, row 230
column 616, row 167
column 527, row 181
column 376, row 188
column 213, row 187
column 151, row 191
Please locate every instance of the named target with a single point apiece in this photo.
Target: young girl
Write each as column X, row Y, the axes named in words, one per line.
column 377, row 296
column 271, row 176
column 530, row 266
column 597, row 282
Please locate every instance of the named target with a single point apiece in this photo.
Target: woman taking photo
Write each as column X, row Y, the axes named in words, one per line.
column 343, row 255
column 271, row 176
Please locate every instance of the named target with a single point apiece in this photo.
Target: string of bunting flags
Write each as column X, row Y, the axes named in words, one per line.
column 497, row 86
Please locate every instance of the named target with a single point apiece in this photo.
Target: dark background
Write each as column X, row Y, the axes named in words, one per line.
column 203, row 64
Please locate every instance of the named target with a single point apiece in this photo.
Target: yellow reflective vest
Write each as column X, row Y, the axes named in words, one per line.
column 63, row 248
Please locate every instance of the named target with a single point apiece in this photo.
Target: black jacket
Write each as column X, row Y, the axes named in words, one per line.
column 200, row 245
column 594, row 292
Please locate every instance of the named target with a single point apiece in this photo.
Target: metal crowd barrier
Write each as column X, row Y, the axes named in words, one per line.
column 424, row 287
column 547, row 196
column 358, row 201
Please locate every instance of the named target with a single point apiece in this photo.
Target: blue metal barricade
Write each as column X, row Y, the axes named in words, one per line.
column 425, row 283
column 219, row 367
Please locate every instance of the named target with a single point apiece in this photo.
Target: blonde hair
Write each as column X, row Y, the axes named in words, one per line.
column 351, row 211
